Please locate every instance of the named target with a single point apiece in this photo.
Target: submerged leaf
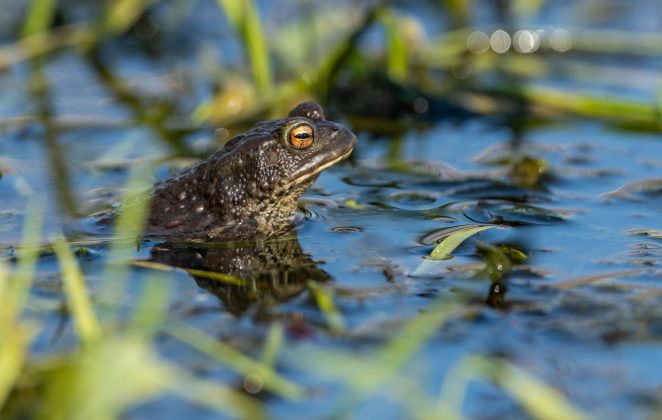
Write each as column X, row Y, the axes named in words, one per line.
column 527, row 171
column 497, row 263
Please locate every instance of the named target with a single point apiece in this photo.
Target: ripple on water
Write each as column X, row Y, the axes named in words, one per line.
column 371, row 180
column 414, row 199
column 513, row 214
column 346, row 229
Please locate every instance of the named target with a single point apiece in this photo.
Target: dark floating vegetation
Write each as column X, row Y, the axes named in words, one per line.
column 491, row 249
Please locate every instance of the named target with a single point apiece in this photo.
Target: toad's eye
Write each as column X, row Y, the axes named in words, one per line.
column 301, row 136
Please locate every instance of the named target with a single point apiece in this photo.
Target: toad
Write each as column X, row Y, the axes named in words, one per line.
column 250, row 188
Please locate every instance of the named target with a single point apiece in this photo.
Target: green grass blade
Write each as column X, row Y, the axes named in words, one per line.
column 245, row 18
column 324, row 299
column 13, row 350
column 366, row 376
column 235, row 360
column 539, row 399
column 39, row 18
column 128, row 228
column 592, row 105
column 446, row 247
column 152, row 308
column 411, row 339
column 18, row 290
column 14, row 341
column 122, row 14
column 347, row 367
column 396, row 46
column 14, row 291
column 4, row 284
column 385, row 363
column 86, row 322
column 273, row 344
column 216, row 396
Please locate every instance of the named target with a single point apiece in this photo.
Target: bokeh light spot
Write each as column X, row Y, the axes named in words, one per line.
column 500, row 41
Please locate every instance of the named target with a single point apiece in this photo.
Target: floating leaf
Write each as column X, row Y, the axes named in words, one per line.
column 446, row 247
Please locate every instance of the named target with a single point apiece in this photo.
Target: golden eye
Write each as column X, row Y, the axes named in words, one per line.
column 301, row 136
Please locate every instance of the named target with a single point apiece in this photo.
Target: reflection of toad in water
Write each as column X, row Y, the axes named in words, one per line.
column 275, row 270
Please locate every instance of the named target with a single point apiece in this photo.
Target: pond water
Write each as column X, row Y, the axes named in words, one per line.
column 581, row 312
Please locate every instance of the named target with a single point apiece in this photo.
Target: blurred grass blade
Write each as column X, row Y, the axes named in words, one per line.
column 365, row 376
column 324, row 299
column 216, row 396
column 244, row 17
column 410, row 339
column 347, row 367
column 39, row 18
column 14, row 347
column 273, row 344
column 339, row 53
column 235, row 360
column 14, row 340
column 384, row 364
column 18, row 290
column 14, row 291
column 116, row 374
column 122, row 14
column 45, row 42
column 152, row 308
column 592, row 105
column 527, row 8
column 446, row 247
column 459, row 9
column 129, row 225
column 87, row 325
column 4, row 285
column 539, row 399
column 396, row 46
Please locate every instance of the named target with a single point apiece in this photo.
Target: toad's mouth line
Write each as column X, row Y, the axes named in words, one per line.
column 320, row 169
